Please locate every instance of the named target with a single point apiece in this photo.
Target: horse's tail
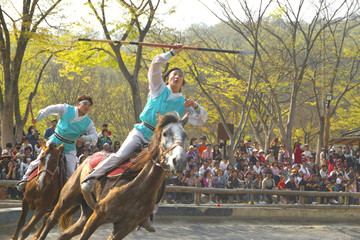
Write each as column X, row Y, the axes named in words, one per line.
column 65, row 219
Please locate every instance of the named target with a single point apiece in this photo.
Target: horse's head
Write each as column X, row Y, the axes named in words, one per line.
column 172, row 138
column 49, row 165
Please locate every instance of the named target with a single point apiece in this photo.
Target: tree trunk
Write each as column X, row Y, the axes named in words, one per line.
column 320, row 142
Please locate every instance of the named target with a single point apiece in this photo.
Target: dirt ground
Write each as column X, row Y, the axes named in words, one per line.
column 172, row 228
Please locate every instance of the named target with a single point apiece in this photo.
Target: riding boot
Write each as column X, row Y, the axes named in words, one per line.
column 88, row 184
column 20, row 186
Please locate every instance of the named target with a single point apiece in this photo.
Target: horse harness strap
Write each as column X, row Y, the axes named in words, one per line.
column 148, row 125
column 162, row 154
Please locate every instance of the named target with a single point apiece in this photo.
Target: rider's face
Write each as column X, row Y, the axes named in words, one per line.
column 84, row 107
column 176, row 80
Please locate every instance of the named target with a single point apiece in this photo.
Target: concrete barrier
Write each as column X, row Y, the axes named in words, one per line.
column 289, row 213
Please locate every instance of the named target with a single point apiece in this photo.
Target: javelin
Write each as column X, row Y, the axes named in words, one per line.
column 163, row 45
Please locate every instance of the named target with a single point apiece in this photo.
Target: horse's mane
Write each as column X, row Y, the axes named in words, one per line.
column 152, row 152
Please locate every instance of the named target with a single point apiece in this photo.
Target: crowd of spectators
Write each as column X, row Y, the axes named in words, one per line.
column 15, row 159
column 274, row 168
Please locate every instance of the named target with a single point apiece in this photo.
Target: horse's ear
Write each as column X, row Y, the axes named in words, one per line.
column 158, row 116
column 184, row 119
column 60, row 148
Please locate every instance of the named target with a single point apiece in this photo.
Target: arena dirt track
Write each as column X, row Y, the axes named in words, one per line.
column 170, row 228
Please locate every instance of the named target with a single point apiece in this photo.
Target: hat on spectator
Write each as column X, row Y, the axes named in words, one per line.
column 9, row 144
column 261, row 151
column 106, row 144
column 203, row 137
column 5, row 155
column 332, row 150
column 268, row 172
column 255, row 150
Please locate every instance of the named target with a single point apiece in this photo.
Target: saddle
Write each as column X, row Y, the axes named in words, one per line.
column 97, row 157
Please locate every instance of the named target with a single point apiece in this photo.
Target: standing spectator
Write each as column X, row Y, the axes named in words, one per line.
column 207, row 153
column 216, row 168
column 270, row 157
column 217, row 155
column 307, row 153
column 204, row 168
column 26, row 143
column 348, row 157
column 8, row 150
column 275, row 172
column 331, row 160
column 297, row 153
column 220, row 182
column 28, row 156
column 51, row 130
column 268, row 184
column 106, row 138
column 254, row 157
column 284, row 155
column 357, row 160
column 32, row 136
column 202, row 145
column 23, row 167
column 324, row 172
column 334, row 188
column 257, row 168
column 274, row 146
column 261, row 156
column 83, row 156
column 323, row 156
column 242, row 146
column 100, row 134
column 38, row 147
column 191, row 155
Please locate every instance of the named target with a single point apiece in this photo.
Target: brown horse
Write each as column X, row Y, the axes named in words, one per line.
column 129, row 200
column 41, row 191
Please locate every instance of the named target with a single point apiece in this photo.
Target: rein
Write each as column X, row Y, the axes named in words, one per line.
column 163, row 153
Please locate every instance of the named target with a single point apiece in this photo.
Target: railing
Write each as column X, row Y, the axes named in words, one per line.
column 199, row 190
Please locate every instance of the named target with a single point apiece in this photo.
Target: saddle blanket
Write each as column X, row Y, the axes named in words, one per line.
column 33, row 174
column 99, row 156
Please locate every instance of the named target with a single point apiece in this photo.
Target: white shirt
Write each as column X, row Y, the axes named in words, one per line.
column 198, row 116
column 59, row 110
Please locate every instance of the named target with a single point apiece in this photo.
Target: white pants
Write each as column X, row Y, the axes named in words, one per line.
column 134, row 140
column 70, row 161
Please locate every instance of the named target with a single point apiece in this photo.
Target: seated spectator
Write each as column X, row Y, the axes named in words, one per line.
column 261, row 156
column 281, row 186
column 324, row 173
column 248, row 185
column 353, row 188
column 51, row 130
column 106, row 147
column 304, row 169
column 268, row 184
column 220, row 182
column 11, row 173
column 8, row 150
column 83, row 156
column 204, row 168
column 175, row 181
column 334, row 188
column 291, row 185
column 25, row 143
column 228, row 171
column 312, row 185
column 189, row 181
column 208, row 182
column 325, row 186
column 106, row 138
column 257, row 168
column 224, row 163
column 116, row 146
column 234, row 182
column 216, row 168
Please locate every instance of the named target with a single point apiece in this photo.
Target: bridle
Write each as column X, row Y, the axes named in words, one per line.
column 163, row 153
column 52, row 173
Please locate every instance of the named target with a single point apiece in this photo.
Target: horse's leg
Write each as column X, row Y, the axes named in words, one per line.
column 120, row 230
column 95, row 220
column 77, row 227
column 46, row 216
column 21, row 221
column 37, row 216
